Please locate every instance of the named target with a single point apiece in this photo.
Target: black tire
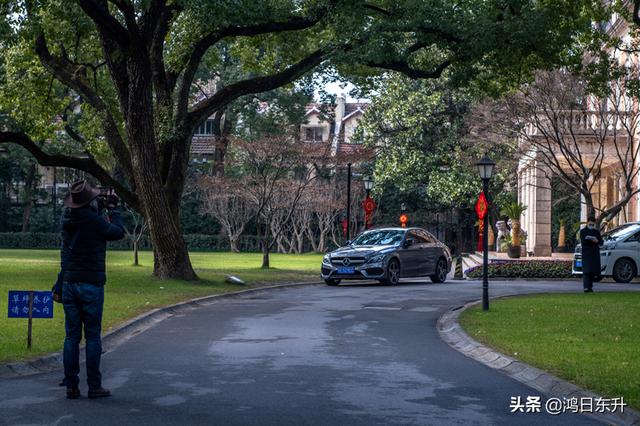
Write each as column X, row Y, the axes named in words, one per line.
column 624, row 270
column 598, row 278
column 393, row 273
column 331, row 281
column 441, row 271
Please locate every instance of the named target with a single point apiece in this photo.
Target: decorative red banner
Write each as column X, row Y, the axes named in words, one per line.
column 369, row 205
column 482, row 206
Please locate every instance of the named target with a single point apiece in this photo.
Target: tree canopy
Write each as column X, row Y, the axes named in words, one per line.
column 112, row 85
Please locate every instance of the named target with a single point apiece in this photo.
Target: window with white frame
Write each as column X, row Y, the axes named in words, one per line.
column 205, row 128
column 313, row 134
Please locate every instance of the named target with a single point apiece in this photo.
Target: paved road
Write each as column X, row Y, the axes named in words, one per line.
column 347, row 355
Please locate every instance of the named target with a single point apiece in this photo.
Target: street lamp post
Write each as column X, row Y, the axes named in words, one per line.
column 485, row 168
column 348, row 201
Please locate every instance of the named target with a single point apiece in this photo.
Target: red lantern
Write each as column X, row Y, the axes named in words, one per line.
column 403, row 220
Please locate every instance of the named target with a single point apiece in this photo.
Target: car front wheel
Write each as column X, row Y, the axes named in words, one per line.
column 441, row 271
column 393, row 273
column 624, row 271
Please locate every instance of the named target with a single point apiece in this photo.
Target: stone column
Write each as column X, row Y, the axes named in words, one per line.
column 528, row 222
column 542, row 213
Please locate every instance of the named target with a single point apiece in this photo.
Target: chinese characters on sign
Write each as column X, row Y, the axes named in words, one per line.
column 555, row 406
column 19, row 304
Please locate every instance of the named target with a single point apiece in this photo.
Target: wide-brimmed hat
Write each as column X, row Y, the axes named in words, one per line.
column 80, row 194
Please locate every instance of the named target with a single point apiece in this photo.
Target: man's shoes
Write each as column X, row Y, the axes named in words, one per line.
column 588, row 290
column 73, row 393
column 99, row 393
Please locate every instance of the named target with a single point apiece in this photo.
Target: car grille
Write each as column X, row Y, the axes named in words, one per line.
column 339, row 261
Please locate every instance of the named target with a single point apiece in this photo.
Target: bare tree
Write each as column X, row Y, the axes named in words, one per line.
column 227, row 200
column 577, row 136
column 276, row 166
column 135, row 232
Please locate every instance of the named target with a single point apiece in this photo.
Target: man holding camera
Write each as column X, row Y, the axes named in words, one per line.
column 90, row 219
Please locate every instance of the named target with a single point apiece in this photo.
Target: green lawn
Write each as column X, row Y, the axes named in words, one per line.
column 130, row 290
column 592, row 340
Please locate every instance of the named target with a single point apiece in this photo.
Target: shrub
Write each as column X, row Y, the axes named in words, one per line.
column 524, row 269
column 195, row 242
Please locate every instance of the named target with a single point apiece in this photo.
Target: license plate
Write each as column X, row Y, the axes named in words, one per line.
column 578, row 263
column 346, row 270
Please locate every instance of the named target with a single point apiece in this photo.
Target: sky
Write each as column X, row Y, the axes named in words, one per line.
column 339, row 88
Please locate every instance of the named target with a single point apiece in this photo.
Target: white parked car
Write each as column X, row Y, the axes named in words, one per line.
column 619, row 255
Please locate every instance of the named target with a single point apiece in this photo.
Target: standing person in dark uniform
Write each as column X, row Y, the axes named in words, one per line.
column 85, row 232
column 591, row 241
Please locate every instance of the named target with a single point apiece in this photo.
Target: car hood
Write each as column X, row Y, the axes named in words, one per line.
column 362, row 251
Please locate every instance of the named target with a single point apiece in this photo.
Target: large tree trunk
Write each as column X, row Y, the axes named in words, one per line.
column 171, row 257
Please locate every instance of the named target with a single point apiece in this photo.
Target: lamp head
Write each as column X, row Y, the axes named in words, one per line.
column 485, row 167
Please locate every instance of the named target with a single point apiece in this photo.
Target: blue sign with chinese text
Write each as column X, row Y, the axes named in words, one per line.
column 19, row 304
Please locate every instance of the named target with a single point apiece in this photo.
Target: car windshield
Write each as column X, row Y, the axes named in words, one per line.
column 621, row 232
column 379, row 238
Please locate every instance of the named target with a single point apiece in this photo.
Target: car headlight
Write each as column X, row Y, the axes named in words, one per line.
column 609, row 246
column 326, row 259
column 376, row 259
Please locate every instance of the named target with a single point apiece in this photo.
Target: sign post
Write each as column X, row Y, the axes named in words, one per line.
column 30, row 304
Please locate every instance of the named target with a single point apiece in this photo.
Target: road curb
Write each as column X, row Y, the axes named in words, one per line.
column 125, row 331
column 453, row 334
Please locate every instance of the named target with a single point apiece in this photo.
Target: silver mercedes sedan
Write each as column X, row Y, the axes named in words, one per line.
column 386, row 255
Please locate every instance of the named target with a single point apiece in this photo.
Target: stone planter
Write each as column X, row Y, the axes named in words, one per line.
column 513, row 252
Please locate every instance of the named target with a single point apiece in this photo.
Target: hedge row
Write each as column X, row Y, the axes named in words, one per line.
column 524, row 269
column 195, row 242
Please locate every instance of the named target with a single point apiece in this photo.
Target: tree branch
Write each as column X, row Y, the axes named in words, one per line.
column 205, row 108
column 201, row 47
column 413, row 73
column 88, row 165
column 75, row 80
column 98, row 12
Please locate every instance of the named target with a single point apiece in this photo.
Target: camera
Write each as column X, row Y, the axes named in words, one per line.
column 107, row 197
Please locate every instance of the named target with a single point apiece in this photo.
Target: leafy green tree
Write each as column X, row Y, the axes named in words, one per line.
column 116, row 79
column 423, row 140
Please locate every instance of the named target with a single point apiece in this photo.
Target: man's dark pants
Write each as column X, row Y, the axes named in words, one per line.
column 83, row 305
column 587, row 281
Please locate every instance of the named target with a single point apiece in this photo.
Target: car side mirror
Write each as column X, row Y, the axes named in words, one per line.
column 408, row 242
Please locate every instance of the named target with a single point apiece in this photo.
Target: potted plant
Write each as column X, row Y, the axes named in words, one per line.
column 513, row 211
column 505, row 243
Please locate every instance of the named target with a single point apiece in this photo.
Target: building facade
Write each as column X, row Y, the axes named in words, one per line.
column 600, row 131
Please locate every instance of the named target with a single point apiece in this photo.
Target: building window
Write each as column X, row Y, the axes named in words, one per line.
column 205, row 128
column 313, row 134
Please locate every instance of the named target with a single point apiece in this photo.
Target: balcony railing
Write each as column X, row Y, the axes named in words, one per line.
column 582, row 122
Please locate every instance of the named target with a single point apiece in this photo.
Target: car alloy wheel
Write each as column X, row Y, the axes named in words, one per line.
column 441, row 272
column 393, row 272
column 624, row 271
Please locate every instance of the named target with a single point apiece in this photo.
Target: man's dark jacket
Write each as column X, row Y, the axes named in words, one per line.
column 84, row 244
column 590, row 251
